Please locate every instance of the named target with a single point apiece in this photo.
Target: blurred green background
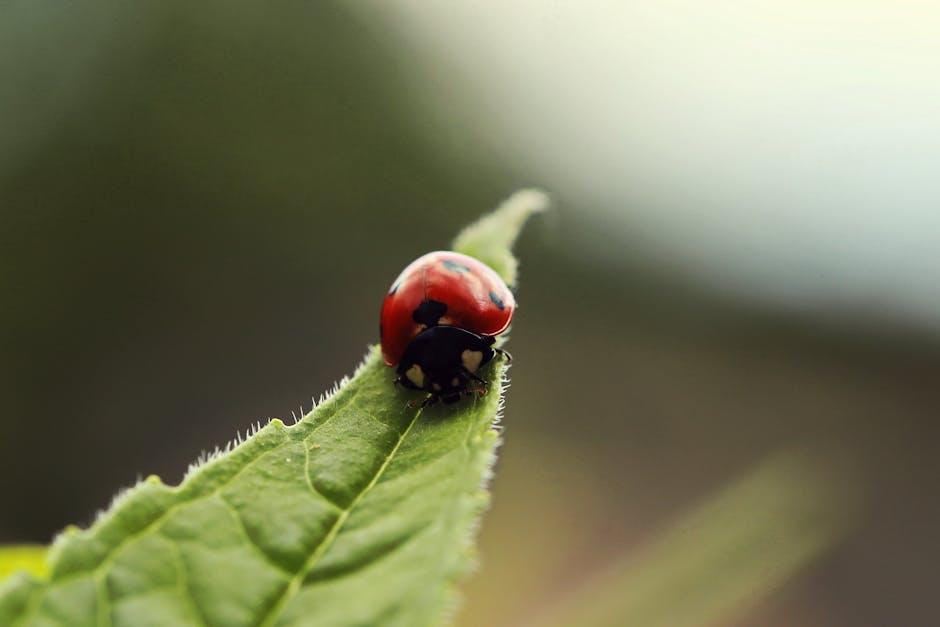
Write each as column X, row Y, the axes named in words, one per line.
column 201, row 206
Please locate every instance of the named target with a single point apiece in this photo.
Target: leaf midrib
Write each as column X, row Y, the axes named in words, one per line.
column 291, row 590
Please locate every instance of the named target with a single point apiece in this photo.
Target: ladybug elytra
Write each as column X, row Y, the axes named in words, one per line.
column 439, row 322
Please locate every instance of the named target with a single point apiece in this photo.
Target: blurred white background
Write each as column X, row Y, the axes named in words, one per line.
column 786, row 152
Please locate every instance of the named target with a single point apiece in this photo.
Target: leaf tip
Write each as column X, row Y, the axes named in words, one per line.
column 527, row 201
column 490, row 239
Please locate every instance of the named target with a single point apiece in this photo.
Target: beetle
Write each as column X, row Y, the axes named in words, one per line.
column 439, row 323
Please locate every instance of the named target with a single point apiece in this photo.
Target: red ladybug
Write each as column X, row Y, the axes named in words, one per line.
column 439, row 322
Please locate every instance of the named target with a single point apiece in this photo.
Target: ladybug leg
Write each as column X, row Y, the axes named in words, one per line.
column 473, row 376
column 504, row 354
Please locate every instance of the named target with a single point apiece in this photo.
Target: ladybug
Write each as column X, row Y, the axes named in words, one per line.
column 439, row 322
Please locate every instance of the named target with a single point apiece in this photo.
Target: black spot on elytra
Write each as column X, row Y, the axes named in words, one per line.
column 497, row 301
column 456, row 267
column 429, row 312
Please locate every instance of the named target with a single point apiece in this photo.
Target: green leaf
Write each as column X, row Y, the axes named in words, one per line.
column 490, row 238
column 360, row 514
column 30, row 558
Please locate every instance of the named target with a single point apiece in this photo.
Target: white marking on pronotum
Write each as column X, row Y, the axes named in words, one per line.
column 471, row 359
column 415, row 375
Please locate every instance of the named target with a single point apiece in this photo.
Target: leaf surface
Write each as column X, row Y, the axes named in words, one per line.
column 30, row 558
column 359, row 514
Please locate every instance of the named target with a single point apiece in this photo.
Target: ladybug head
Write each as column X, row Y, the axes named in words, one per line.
column 443, row 360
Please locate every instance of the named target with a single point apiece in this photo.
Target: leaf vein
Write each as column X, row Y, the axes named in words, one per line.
column 321, row 548
column 309, row 481
column 243, row 530
column 381, row 554
column 148, row 591
column 31, row 606
column 104, row 600
column 182, row 576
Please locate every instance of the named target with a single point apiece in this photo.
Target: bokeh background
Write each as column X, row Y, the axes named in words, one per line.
column 201, row 205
